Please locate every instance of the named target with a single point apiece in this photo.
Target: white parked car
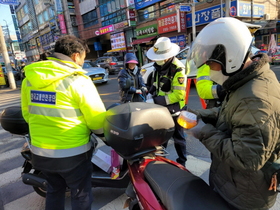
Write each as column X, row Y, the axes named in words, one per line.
column 147, row 69
column 96, row 73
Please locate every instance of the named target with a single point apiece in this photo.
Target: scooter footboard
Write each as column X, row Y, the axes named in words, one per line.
column 180, row 190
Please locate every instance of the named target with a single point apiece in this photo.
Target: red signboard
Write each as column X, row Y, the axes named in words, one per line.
column 169, row 23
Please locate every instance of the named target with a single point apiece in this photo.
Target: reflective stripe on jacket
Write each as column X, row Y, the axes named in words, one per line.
column 177, row 91
column 61, row 106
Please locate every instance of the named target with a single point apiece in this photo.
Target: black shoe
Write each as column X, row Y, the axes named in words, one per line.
column 181, row 162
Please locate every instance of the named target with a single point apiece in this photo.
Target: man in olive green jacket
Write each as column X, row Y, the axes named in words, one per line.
column 243, row 135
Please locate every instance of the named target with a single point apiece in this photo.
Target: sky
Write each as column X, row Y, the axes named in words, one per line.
column 5, row 14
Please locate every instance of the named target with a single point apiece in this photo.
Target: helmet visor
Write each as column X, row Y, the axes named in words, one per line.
column 199, row 54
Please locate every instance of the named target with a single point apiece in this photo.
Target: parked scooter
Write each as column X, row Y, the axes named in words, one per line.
column 12, row 121
column 136, row 131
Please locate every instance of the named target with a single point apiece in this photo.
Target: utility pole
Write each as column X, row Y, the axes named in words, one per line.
column 252, row 10
column 7, row 60
column 9, row 39
column 193, row 20
column 227, row 5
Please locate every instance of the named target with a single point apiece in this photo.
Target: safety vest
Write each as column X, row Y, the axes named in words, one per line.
column 205, row 87
column 61, row 106
column 177, row 90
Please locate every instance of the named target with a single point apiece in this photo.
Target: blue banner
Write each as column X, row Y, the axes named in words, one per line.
column 144, row 3
column 244, row 9
column 181, row 39
column 173, row 39
column 209, row 14
column 9, row 2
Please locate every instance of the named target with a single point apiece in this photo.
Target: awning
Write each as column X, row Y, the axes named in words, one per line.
column 140, row 41
column 118, row 50
column 266, row 24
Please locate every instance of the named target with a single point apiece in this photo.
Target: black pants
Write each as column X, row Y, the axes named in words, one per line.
column 79, row 182
column 179, row 143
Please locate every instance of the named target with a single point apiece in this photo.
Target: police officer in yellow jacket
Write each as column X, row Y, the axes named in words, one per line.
column 62, row 107
column 207, row 89
column 169, row 87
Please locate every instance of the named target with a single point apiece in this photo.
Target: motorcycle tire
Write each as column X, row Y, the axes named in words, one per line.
column 40, row 191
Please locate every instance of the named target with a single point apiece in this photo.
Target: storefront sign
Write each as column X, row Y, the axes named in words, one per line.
column 117, row 41
column 179, row 40
column 106, row 29
column 146, row 31
column 144, row 3
column 120, row 25
column 58, row 6
column 130, row 3
column 237, row 9
column 131, row 16
column 9, row 2
column 207, row 15
column 62, row 24
column 169, row 23
column 244, row 9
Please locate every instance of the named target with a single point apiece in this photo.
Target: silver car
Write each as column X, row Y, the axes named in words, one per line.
column 96, row 73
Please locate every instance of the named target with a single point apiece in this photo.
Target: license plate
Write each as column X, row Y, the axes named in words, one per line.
column 96, row 78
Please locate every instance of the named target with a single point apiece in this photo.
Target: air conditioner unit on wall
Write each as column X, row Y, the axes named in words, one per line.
column 266, row 16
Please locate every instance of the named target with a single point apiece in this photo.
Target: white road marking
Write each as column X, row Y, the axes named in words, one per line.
column 10, row 154
column 10, row 176
column 116, row 204
column 31, row 201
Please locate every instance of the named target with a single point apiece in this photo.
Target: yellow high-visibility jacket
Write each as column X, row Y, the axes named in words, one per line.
column 61, row 106
column 205, row 87
column 176, row 91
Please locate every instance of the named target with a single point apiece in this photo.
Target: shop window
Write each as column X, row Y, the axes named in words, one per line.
column 25, row 9
column 46, row 15
column 71, row 7
column 146, row 14
column 265, row 39
column 167, row 7
column 40, row 19
column 113, row 18
column 51, row 13
column 90, row 18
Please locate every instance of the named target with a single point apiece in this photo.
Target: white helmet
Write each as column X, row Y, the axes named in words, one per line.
column 226, row 41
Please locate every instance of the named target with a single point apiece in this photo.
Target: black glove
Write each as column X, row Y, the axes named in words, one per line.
column 196, row 130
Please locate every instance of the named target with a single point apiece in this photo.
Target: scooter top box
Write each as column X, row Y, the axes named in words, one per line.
column 11, row 120
column 136, row 128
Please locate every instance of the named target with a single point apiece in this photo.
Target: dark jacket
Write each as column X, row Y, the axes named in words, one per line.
column 129, row 81
column 245, row 136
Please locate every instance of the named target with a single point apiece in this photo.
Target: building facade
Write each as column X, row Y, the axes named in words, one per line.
column 41, row 22
column 119, row 26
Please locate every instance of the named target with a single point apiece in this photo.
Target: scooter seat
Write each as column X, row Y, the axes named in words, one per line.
column 181, row 190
